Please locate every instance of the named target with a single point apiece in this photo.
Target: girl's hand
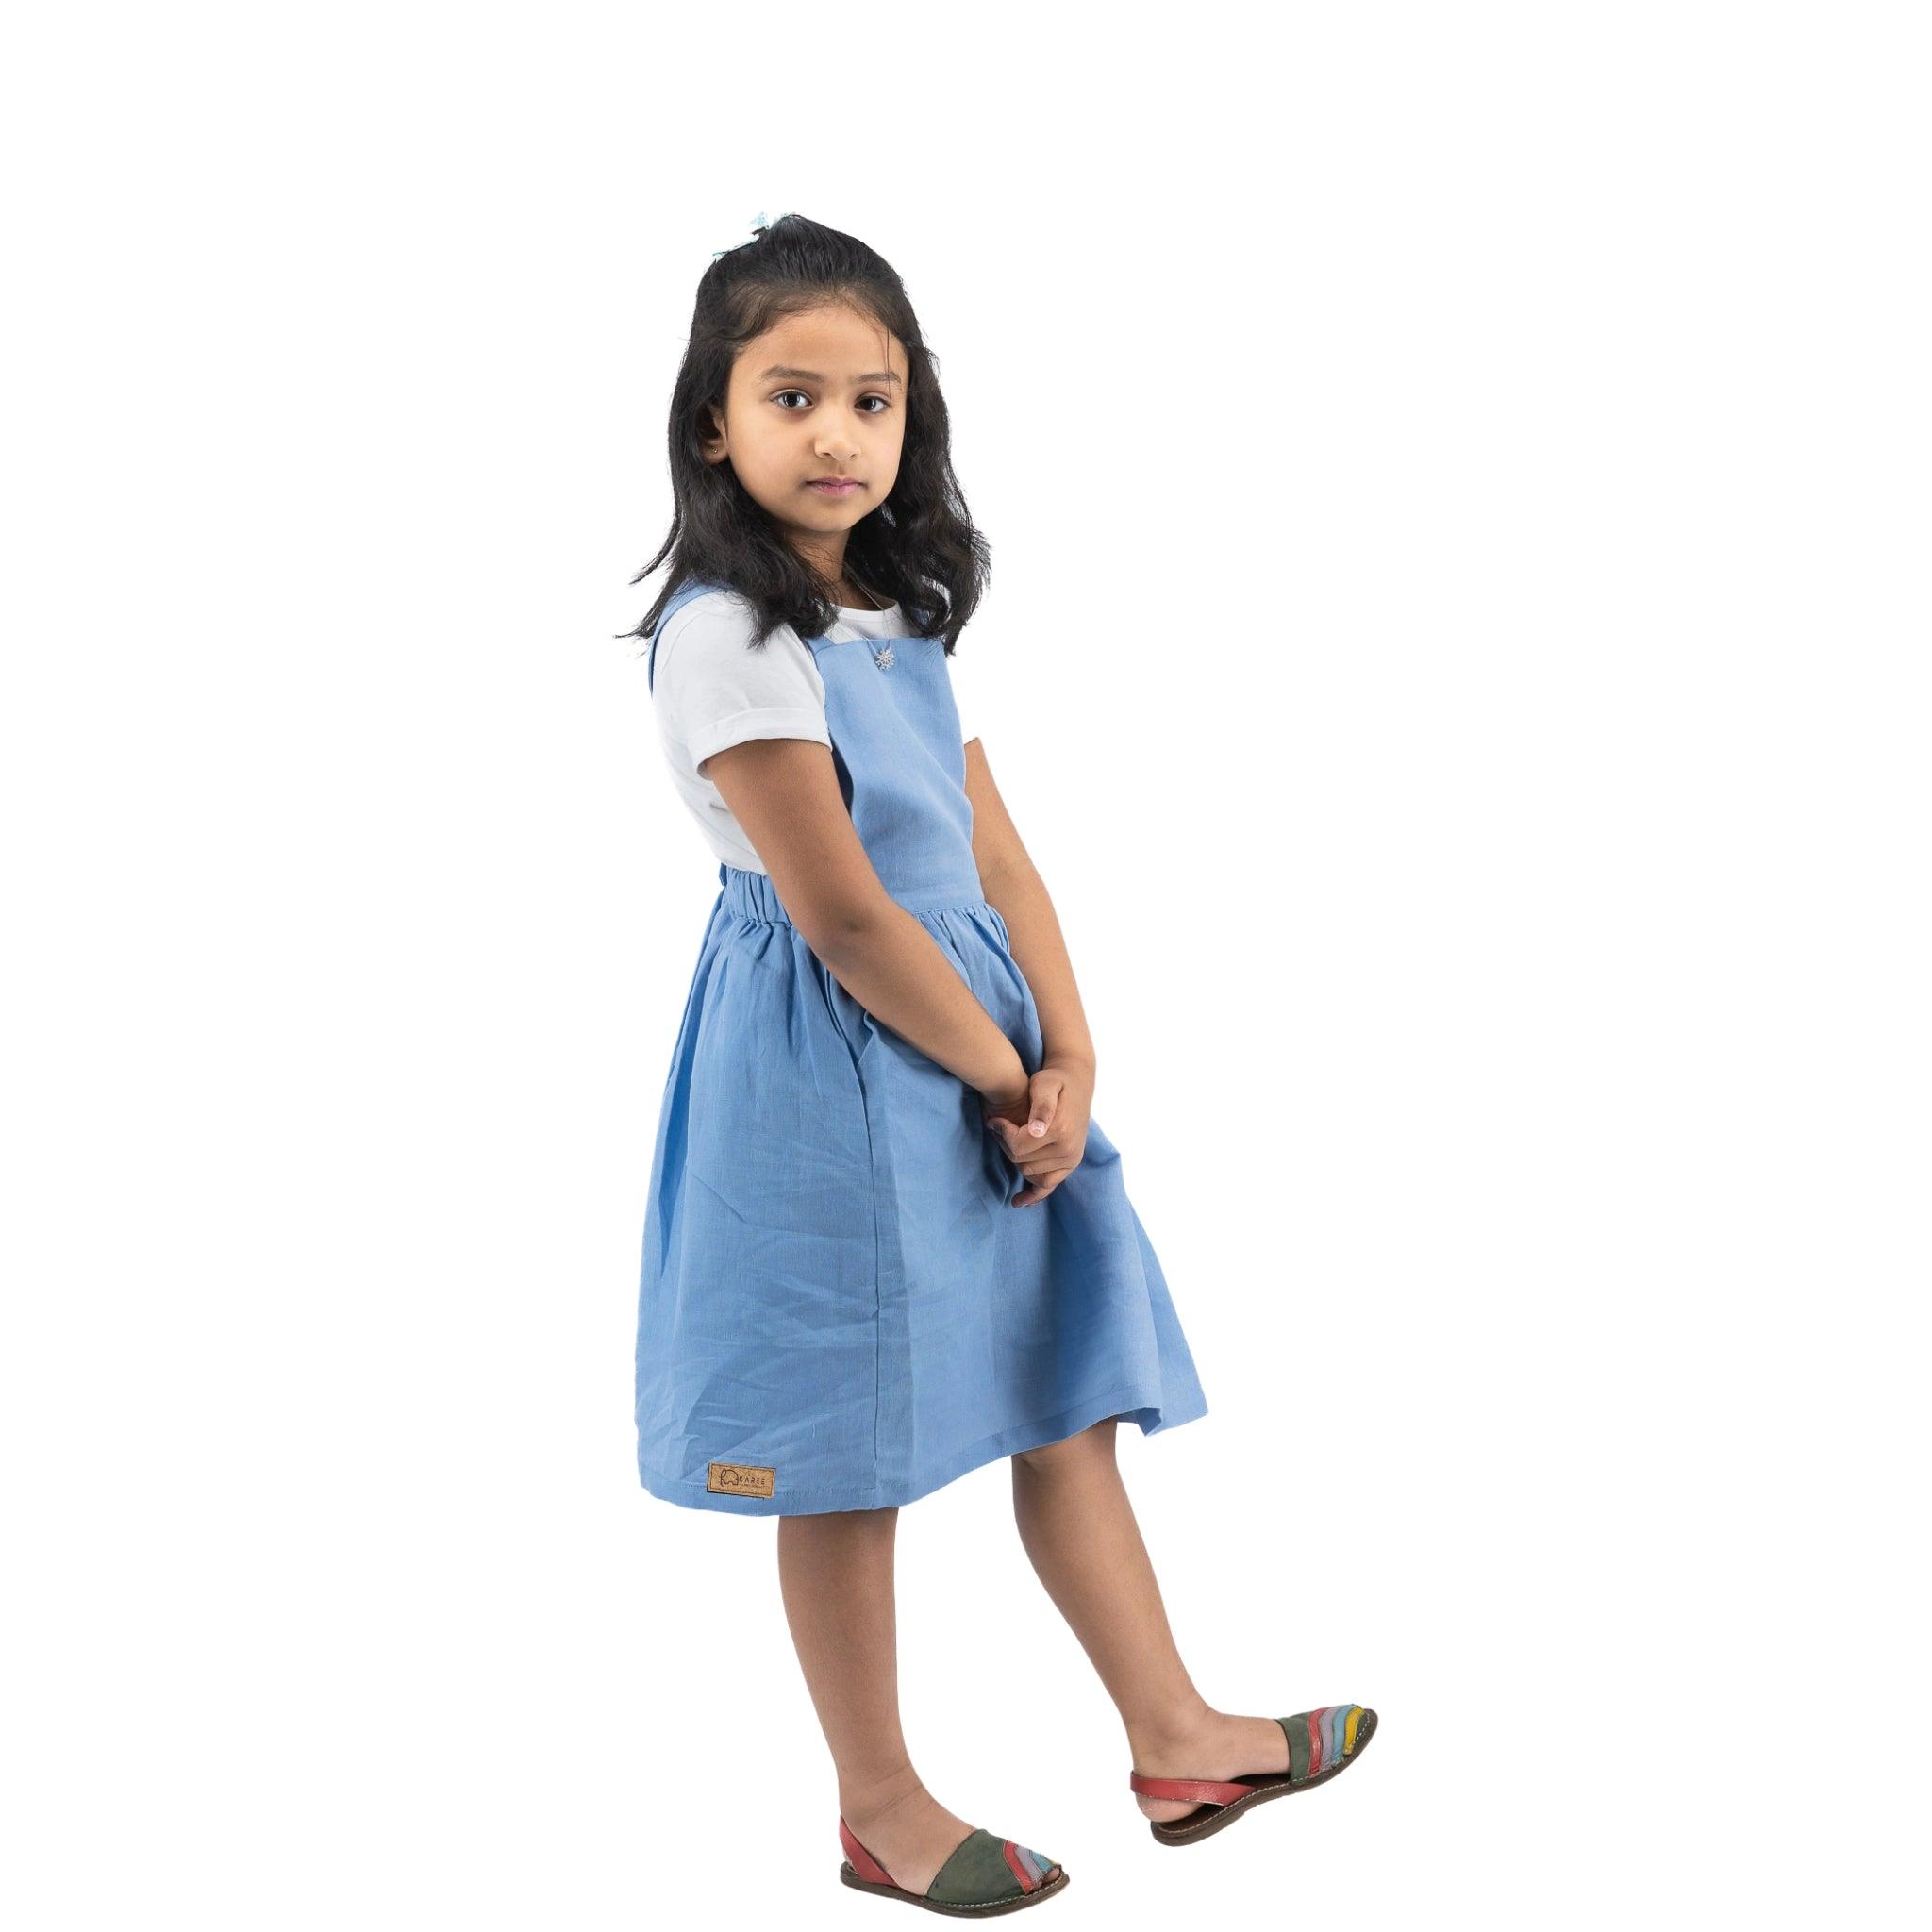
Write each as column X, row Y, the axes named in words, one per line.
column 1043, row 1129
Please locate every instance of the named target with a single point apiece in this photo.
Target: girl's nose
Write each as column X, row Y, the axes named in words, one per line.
column 837, row 439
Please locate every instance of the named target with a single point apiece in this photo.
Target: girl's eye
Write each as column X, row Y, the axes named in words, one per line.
column 884, row 402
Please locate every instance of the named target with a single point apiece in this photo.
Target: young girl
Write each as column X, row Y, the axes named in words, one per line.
column 845, row 1304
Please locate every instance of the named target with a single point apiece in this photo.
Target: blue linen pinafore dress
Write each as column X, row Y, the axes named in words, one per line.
column 839, row 1308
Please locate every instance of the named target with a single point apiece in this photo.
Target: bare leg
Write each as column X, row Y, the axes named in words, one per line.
column 1079, row 1533
column 835, row 1572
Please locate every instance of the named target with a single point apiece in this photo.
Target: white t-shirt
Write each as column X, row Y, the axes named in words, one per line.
column 710, row 689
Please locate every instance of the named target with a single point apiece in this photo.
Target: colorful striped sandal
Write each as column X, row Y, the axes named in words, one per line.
column 984, row 1874
column 1321, row 1745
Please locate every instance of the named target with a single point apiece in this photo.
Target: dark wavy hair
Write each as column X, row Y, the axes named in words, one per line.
column 919, row 547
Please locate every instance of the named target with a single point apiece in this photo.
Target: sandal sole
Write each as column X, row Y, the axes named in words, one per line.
column 1268, row 1784
column 1057, row 1883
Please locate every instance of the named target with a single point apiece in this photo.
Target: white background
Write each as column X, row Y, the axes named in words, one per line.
column 1457, row 480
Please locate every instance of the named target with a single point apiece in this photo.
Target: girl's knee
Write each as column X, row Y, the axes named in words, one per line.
column 1094, row 1440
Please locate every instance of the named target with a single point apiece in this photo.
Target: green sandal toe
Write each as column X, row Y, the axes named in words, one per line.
column 1321, row 1745
column 984, row 1874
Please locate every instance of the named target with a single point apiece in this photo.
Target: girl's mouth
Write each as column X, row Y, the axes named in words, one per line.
column 839, row 486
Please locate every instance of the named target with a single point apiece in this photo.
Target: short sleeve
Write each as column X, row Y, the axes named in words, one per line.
column 713, row 689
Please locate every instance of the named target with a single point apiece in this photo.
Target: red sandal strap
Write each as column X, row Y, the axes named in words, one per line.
column 864, row 1862
column 1189, row 1790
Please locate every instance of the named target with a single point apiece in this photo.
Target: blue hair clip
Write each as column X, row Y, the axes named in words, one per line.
column 758, row 222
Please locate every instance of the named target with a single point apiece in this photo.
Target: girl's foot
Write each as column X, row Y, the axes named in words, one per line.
column 1215, row 1745
column 912, row 1834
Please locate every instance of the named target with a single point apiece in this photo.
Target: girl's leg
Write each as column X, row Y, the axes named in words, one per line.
column 1079, row 1532
column 835, row 1572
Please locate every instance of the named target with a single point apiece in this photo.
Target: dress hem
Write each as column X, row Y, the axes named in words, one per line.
column 1132, row 1403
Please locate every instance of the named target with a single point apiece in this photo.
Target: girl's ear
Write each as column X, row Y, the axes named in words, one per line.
column 711, row 440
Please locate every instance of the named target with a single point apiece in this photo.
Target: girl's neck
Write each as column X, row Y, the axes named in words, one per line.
column 854, row 596
column 840, row 586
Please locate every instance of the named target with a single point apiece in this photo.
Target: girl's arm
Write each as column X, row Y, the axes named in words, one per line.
column 1017, row 891
column 784, row 792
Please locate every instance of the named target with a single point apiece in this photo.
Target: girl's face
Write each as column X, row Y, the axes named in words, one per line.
column 820, row 395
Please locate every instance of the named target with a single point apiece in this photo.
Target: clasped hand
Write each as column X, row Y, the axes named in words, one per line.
column 1042, row 1126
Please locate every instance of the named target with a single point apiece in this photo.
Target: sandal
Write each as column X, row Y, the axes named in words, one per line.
column 983, row 1874
column 1321, row 1745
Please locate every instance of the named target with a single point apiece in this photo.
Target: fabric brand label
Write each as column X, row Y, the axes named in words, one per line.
column 740, row 1479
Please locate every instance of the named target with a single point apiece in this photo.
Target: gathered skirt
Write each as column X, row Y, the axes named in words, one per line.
column 839, row 1310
